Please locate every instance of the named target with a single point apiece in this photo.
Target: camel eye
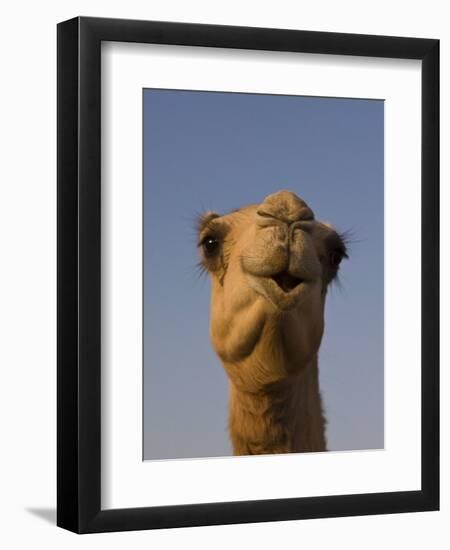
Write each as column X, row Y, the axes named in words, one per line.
column 335, row 257
column 210, row 246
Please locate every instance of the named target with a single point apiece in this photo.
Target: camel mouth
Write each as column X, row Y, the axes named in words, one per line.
column 286, row 281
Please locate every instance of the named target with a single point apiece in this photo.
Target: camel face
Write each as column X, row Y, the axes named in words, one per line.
column 270, row 265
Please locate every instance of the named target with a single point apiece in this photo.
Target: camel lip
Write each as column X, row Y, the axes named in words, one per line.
column 286, row 281
column 282, row 300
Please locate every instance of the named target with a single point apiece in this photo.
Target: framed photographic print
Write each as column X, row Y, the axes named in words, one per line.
column 248, row 256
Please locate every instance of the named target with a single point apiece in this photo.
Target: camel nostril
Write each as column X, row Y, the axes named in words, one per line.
column 264, row 214
column 305, row 215
column 286, row 281
column 303, row 225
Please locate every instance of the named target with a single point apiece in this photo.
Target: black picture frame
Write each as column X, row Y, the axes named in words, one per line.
column 79, row 280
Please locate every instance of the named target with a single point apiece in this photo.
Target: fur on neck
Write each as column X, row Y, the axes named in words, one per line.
column 282, row 417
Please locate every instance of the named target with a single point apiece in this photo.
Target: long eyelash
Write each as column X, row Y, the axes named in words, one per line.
column 201, row 225
column 338, row 284
column 201, row 270
column 347, row 238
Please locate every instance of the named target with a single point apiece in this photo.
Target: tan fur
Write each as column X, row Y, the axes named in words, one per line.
column 270, row 266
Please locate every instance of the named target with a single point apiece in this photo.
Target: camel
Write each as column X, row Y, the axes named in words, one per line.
column 270, row 265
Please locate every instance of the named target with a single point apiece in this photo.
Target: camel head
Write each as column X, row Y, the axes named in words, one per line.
column 270, row 265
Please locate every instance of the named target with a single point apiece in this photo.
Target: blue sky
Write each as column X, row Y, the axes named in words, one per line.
column 219, row 151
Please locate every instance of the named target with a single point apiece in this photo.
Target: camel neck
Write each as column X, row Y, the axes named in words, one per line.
column 283, row 417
